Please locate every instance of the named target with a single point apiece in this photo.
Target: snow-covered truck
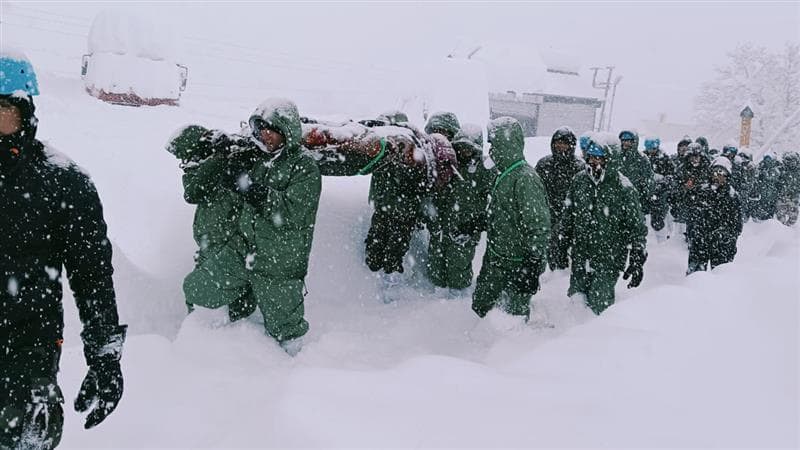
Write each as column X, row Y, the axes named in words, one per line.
column 131, row 61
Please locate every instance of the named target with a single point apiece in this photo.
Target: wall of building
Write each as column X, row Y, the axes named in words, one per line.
column 578, row 115
column 541, row 115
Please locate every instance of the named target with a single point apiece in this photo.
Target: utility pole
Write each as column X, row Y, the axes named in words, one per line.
column 613, row 96
column 602, row 85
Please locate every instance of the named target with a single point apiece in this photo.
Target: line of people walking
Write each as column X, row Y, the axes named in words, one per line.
column 257, row 194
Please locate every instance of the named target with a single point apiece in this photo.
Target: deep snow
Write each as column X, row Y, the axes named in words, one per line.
column 709, row 360
column 706, row 360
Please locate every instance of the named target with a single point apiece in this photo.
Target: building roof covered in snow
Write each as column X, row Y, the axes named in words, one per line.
column 531, row 71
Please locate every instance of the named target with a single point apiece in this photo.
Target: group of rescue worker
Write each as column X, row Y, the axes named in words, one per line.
column 257, row 196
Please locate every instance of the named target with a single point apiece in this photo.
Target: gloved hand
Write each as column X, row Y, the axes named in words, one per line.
column 474, row 226
column 101, row 390
column 526, row 278
column 254, row 193
column 635, row 270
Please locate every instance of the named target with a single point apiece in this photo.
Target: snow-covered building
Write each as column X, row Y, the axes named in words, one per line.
column 544, row 91
column 132, row 61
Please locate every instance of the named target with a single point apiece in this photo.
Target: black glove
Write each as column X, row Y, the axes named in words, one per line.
column 526, row 278
column 255, row 193
column 474, row 226
column 101, row 390
column 635, row 270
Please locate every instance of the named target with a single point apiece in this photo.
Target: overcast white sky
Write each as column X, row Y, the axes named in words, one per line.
column 663, row 50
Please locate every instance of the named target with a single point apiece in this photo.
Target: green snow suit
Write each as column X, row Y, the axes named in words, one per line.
column 518, row 229
column 601, row 224
column 458, row 216
column 277, row 221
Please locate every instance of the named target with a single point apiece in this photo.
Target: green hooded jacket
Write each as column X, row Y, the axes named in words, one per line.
column 278, row 222
column 463, row 200
column 208, row 182
column 445, row 123
column 518, row 215
column 602, row 221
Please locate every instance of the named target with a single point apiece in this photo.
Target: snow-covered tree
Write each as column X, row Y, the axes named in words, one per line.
column 767, row 82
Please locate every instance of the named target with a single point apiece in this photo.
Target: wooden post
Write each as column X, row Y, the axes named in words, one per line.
column 744, row 133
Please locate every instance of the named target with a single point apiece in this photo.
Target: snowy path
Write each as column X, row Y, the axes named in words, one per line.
column 708, row 360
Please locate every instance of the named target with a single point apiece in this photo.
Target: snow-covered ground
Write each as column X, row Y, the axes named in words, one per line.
column 709, row 360
column 705, row 360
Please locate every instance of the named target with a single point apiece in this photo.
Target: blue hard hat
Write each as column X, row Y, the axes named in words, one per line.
column 17, row 74
column 594, row 149
column 652, row 143
column 584, row 142
column 730, row 149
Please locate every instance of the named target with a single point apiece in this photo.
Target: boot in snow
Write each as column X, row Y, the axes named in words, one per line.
column 390, row 286
column 293, row 346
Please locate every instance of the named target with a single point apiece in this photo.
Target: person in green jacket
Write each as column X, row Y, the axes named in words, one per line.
column 518, row 220
column 256, row 226
column 396, row 192
column 786, row 209
column 603, row 226
column 212, row 162
column 457, row 216
column 281, row 193
column 636, row 167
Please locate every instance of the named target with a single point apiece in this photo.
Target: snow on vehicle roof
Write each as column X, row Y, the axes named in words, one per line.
column 123, row 31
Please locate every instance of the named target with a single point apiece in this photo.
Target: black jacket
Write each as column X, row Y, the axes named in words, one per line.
column 557, row 174
column 51, row 217
column 716, row 220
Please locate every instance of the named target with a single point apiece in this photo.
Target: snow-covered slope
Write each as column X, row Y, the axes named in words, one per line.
column 700, row 361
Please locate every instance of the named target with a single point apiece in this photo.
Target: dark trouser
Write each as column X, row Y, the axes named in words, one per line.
column 702, row 252
column 597, row 286
column 658, row 207
column 450, row 259
column 388, row 240
column 31, row 416
column 495, row 287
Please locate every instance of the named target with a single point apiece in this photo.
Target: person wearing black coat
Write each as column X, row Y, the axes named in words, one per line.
column 51, row 218
column 691, row 174
column 557, row 171
column 663, row 175
column 716, row 220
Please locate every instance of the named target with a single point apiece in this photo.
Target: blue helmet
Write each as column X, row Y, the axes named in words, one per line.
column 584, row 142
column 595, row 149
column 17, row 74
column 652, row 143
column 730, row 150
